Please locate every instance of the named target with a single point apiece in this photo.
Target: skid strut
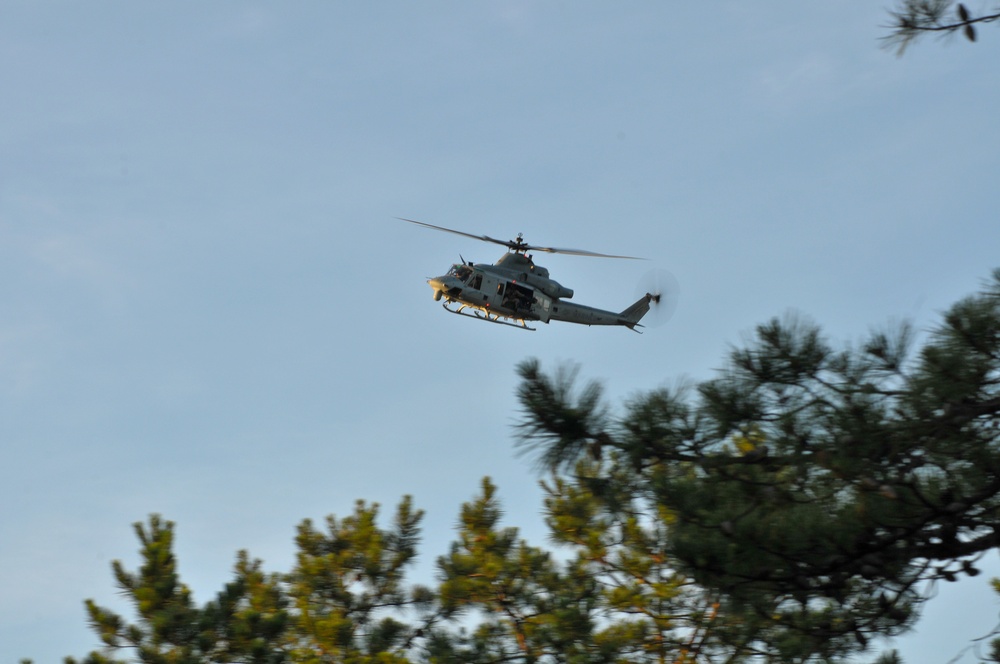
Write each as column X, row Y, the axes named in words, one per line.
column 488, row 317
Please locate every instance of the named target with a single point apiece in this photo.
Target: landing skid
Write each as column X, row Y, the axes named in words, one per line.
column 487, row 317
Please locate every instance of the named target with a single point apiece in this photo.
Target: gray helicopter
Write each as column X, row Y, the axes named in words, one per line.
column 514, row 290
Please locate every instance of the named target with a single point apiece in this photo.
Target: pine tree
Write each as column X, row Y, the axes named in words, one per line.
column 534, row 608
column 815, row 491
column 348, row 589
column 339, row 603
column 170, row 628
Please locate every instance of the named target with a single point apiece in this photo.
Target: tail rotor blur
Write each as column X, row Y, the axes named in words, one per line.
column 664, row 288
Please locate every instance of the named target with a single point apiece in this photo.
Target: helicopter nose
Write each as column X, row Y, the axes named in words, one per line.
column 439, row 285
column 445, row 286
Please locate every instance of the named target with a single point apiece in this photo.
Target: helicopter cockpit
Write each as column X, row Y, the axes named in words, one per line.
column 467, row 275
column 461, row 272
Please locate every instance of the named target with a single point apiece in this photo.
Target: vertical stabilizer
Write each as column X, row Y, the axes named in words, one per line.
column 633, row 314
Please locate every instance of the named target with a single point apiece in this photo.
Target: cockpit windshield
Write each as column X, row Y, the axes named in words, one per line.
column 460, row 272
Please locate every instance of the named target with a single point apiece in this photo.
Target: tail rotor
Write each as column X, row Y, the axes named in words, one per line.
column 665, row 292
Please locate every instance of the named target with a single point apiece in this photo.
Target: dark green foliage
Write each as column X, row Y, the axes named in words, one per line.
column 815, row 490
column 559, row 420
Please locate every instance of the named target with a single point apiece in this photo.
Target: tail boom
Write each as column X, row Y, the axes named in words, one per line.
column 584, row 315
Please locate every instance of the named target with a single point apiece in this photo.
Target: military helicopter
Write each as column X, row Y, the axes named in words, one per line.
column 514, row 290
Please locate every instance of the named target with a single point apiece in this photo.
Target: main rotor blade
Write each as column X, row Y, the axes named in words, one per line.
column 484, row 238
column 576, row 252
column 519, row 245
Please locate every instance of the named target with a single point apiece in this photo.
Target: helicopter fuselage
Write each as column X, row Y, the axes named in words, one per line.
column 516, row 289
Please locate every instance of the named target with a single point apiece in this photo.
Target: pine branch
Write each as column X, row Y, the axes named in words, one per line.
column 915, row 18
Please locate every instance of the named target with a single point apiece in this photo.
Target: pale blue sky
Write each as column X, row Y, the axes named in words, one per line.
column 208, row 309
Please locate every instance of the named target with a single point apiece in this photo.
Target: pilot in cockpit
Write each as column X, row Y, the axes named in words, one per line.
column 461, row 272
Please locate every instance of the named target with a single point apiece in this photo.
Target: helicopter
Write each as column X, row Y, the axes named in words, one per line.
column 515, row 290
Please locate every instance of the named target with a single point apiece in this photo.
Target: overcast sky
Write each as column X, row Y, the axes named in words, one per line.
column 208, row 309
